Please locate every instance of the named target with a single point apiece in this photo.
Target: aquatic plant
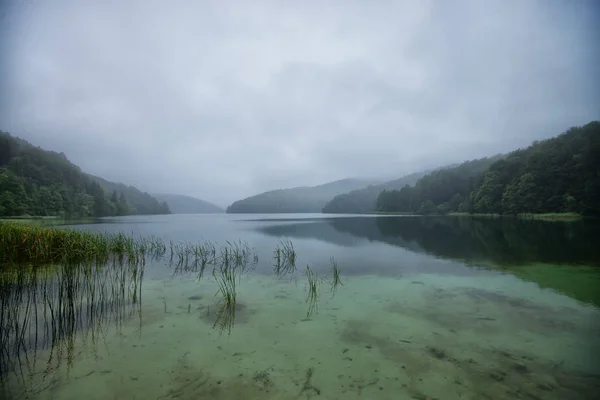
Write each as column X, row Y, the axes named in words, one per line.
column 313, row 294
column 207, row 254
column 189, row 257
column 285, row 257
column 225, row 279
column 44, row 308
column 289, row 254
column 242, row 256
column 335, row 276
column 23, row 243
column 278, row 260
column 71, row 249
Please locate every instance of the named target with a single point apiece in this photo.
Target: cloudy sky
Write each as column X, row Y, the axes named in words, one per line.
column 225, row 99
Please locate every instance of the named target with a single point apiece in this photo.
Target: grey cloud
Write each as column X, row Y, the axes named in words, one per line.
column 222, row 100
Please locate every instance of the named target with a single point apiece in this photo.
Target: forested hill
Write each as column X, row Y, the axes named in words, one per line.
column 556, row 175
column 37, row 182
column 364, row 200
column 140, row 202
column 309, row 199
column 180, row 204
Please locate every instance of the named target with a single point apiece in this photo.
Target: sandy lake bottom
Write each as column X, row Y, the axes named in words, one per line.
column 417, row 336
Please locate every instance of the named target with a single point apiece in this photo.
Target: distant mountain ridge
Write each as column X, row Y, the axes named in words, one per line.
column 364, row 200
column 181, row 204
column 304, row 199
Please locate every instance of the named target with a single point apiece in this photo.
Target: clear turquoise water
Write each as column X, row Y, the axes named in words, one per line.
column 430, row 309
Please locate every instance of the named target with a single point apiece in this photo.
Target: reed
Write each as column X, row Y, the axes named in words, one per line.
column 46, row 308
column 78, row 257
column 226, row 283
column 278, row 260
column 207, row 255
column 242, row 256
column 335, row 276
column 32, row 244
column 289, row 254
column 313, row 294
column 189, row 257
column 285, row 257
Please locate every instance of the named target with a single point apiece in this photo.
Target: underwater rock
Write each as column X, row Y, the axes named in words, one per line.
column 498, row 376
column 437, row 353
column 520, row 368
column 546, row 382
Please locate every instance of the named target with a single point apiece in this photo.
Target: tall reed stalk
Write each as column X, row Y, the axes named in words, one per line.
column 46, row 308
column 335, row 276
column 285, row 257
column 313, row 294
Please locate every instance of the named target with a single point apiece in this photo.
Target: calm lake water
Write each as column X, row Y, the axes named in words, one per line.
column 430, row 308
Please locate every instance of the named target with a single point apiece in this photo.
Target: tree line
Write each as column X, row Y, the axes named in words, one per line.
column 37, row 182
column 557, row 175
column 364, row 200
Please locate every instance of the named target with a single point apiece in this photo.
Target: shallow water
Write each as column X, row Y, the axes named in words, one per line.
column 429, row 309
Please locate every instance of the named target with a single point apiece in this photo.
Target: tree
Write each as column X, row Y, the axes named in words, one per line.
column 41, row 182
column 100, row 207
column 122, row 207
column 555, row 175
column 13, row 200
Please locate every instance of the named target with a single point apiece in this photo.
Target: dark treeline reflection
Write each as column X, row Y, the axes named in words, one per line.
column 48, row 314
column 502, row 241
column 543, row 252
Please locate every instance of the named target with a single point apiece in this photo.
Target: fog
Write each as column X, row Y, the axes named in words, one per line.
column 224, row 99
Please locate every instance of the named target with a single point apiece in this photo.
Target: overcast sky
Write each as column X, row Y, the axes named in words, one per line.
column 225, row 99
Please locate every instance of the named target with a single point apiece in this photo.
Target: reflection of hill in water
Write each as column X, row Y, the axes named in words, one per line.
column 321, row 229
column 507, row 241
column 496, row 241
column 531, row 249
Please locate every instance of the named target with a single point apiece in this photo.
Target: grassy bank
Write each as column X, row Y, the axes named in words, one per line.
column 45, row 221
column 35, row 244
column 30, row 219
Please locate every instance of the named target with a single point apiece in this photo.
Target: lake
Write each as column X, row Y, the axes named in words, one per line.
column 428, row 308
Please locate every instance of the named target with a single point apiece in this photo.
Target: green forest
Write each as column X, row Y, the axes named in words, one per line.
column 557, row 175
column 364, row 200
column 36, row 182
